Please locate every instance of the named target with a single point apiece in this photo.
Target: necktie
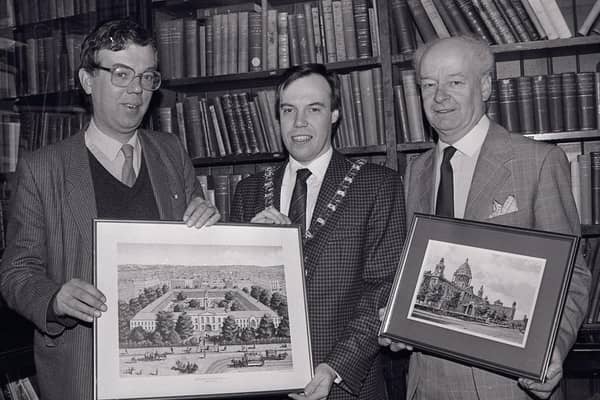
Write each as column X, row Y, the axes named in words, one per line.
column 297, row 211
column 128, row 173
column 444, row 205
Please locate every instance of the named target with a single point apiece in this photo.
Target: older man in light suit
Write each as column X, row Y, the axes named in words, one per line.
column 494, row 176
column 46, row 273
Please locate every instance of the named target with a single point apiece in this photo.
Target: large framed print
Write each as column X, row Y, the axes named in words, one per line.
column 484, row 294
column 205, row 313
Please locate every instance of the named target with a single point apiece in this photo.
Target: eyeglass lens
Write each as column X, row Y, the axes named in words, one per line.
column 122, row 76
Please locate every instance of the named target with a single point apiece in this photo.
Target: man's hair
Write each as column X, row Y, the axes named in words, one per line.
column 480, row 50
column 113, row 35
column 300, row 71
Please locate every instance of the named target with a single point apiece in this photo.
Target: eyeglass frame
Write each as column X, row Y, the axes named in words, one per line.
column 140, row 75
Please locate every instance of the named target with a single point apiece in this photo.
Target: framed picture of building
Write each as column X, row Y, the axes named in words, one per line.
column 199, row 313
column 484, row 294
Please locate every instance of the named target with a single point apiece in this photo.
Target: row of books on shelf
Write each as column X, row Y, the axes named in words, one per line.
column 20, row 12
column 250, row 37
column 244, row 123
column 495, row 21
column 547, row 103
column 18, row 389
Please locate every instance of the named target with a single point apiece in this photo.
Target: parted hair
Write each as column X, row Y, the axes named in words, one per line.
column 113, row 35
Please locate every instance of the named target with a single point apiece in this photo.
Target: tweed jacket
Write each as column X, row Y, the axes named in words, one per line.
column 349, row 267
column 49, row 242
column 537, row 175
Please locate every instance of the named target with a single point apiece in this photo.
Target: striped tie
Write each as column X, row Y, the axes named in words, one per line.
column 297, row 211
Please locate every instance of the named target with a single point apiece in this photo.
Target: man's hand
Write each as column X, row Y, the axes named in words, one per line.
column 271, row 216
column 553, row 377
column 394, row 346
column 80, row 300
column 320, row 386
column 200, row 212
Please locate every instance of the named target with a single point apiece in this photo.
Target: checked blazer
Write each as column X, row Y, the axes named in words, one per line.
column 537, row 176
column 349, row 265
column 50, row 241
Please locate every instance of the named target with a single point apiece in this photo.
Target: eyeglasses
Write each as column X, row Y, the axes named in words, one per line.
column 122, row 76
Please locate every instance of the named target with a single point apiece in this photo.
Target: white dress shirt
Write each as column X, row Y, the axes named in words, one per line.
column 108, row 150
column 463, row 164
column 317, row 167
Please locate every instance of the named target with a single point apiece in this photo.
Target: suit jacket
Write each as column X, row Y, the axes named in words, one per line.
column 349, row 265
column 537, row 175
column 49, row 242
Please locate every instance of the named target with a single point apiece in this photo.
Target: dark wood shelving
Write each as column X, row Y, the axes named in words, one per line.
column 414, row 147
column 566, row 136
column 239, row 159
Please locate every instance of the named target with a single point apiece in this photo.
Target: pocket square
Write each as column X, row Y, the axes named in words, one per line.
column 509, row 206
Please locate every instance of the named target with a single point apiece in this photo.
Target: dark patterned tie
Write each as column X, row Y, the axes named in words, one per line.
column 297, row 211
column 444, row 205
column 128, row 173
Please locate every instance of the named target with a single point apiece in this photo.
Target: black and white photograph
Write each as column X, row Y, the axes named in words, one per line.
column 478, row 291
column 204, row 309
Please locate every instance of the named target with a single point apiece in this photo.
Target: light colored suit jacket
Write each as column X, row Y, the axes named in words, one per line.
column 50, row 241
column 537, row 175
column 350, row 265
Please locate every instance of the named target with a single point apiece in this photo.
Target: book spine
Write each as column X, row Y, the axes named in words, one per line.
column 190, row 27
column 367, row 95
column 524, row 17
column 363, row 31
column 445, row 15
column 317, row 29
column 177, row 45
column 555, row 102
column 403, row 131
column 310, row 33
column 474, row 20
column 557, row 18
column 515, row 20
column 378, row 93
column 539, row 28
column 349, row 29
column 493, row 21
column 576, row 185
column 412, row 99
column 329, row 31
column 360, row 134
column 283, row 49
column 181, row 132
column 435, row 18
column 589, row 20
column 241, row 125
column 457, row 16
column 403, row 24
column 210, row 46
column 338, row 30
column 569, row 97
column 254, row 143
column 234, row 134
column 421, row 20
column 273, row 40
column 302, row 37
column 540, row 104
column 586, row 187
column 223, row 148
column 597, row 97
column 507, row 102
column 262, row 140
column 539, row 11
column 242, row 59
column 255, row 42
column 294, row 48
column 210, row 138
column 525, row 104
column 202, row 50
column 222, row 123
column 193, row 127
column 222, row 195
column 347, row 106
column 492, row 108
column 595, row 185
column 586, row 101
column 218, row 44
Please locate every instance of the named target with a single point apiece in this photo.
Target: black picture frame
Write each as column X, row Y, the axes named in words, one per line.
column 437, row 307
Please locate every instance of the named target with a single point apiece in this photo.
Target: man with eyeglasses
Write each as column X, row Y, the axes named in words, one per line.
column 112, row 169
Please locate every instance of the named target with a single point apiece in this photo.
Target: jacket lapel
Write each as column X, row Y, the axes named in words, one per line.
column 490, row 173
column 336, row 171
column 158, row 166
column 80, row 188
column 420, row 187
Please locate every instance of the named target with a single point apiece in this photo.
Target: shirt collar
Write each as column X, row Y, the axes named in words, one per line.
column 317, row 167
column 471, row 143
column 109, row 146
